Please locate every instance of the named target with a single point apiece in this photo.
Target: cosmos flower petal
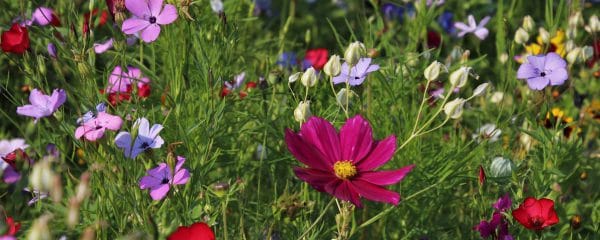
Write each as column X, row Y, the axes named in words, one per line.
column 138, row 8
column 159, row 192
column 558, row 76
column 537, row 83
column 143, row 127
column 168, row 15
column 305, row 152
column 134, row 25
column 103, row 47
column 483, row 22
column 94, row 134
column 155, row 130
column 109, row 121
column 150, row 34
column 356, row 138
column 314, row 177
column 323, row 136
column 355, row 81
column 123, row 141
column 180, row 162
column 344, row 191
column 472, row 22
column 384, row 178
column 381, row 153
column 547, row 212
column 376, row 193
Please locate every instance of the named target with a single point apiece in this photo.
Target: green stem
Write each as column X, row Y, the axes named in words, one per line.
column 317, row 220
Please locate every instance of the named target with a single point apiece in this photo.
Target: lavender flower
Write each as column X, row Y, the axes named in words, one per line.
column 146, row 138
column 42, row 105
column 543, row 70
column 478, row 29
column 160, row 179
column 358, row 73
column 101, row 107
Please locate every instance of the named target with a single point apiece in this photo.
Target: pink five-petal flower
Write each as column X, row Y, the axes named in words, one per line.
column 160, row 179
column 94, row 129
column 147, row 16
column 343, row 164
column 42, row 105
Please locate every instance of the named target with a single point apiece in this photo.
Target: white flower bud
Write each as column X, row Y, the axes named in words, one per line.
column 39, row 230
column 480, row 89
column 344, row 97
column 501, row 167
column 432, row 72
column 528, row 23
column 73, row 214
column 593, row 25
column 503, row 57
column 261, row 152
column 575, row 20
column 42, row 177
column 216, row 5
column 459, row 77
column 302, row 112
column 333, row 67
column 545, row 35
column 574, row 55
column 497, row 97
column 294, row 77
column 309, row 77
column 569, row 45
column 521, row 36
column 587, row 52
column 83, row 188
column 354, row 52
column 454, row 108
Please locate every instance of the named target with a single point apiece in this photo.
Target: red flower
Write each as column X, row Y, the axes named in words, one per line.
column 15, row 40
column 536, row 214
column 317, row 57
column 481, row 175
column 197, row 231
column 12, row 227
column 94, row 16
column 434, row 39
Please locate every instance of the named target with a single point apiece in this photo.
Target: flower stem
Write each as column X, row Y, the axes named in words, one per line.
column 317, row 220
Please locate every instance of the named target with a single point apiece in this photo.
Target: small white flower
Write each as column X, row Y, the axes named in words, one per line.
column 488, row 131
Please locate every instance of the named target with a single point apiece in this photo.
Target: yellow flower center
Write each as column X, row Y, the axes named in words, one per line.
column 344, row 169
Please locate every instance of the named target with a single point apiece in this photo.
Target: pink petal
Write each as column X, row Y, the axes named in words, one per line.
column 149, row 181
column 109, row 121
column 356, row 138
column 134, row 25
column 94, row 134
column 324, row 137
column 168, row 15
column 384, row 178
column 37, row 98
column 481, row 33
column 159, row 192
column 139, row 8
column 103, row 47
column 150, row 34
column 382, row 152
column 376, row 193
column 57, row 99
column 181, row 177
column 79, row 132
column 344, row 191
column 180, row 162
column 305, row 152
column 315, row 178
column 32, row 111
column 155, row 6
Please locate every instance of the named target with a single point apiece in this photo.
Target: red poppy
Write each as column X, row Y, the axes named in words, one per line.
column 197, row 231
column 15, row 40
column 12, row 226
column 317, row 57
column 536, row 214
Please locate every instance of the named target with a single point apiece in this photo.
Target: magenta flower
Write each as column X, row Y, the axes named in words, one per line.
column 43, row 16
column 94, row 128
column 344, row 164
column 543, row 70
column 120, row 81
column 148, row 15
column 358, row 73
column 503, row 204
column 146, row 138
column 7, row 159
column 478, row 29
column 160, row 179
column 42, row 105
column 9, row 146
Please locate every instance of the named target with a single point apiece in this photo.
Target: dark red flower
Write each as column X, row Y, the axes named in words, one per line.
column 481, row 175
column 197, row 231
column 96, row 21
column 434, row 39
column 15, row 40
column 317, row 57
column 596, row 55
column 536, row 214
column 12, row 226
column 144, row 90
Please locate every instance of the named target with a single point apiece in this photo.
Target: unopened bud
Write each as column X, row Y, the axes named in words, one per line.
column 544, row 35
column 593, row 25
column 454, row 108
column 587, row 52
column 73, row 214
column 57, row 191
column 261, row 152
column 354, row 52
column 42, row 177
column 333, row 67
column 344, row 97
column 521, row 36
column 302, row 112
column 528, row 23
column 480, row 89
column 432, row 72
column 501, row 167
column 575, row 20
column 294, row 77
column 309, row 77
column 83, row 188
column 459, row 77
column 39, row 230
column 503, row 58
column 569, row 45
column 574, row 55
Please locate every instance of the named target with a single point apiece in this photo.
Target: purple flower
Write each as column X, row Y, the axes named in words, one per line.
column 148, row 15
column 392, row 12
column 37, row 195
column 287, row 60
column 358, row 73
column 146, row 138
column 503, row 204
column 542, row 70
column 94, row 128
column 42, row 105
column 103, row 47
column 445, row 21
column 91, row 114
column 51, row 50
column 237, row 82
column 43, row 16
column 478, row 29
column 160, row 179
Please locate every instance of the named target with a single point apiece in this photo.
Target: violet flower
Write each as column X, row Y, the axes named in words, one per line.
column 146, row 138
column 478, row 29
column 101, row 107
column 445, row 21
column 543, row 70
column 43, row 16
column 94, row 128
column 160, row 179
column 37, row 195
column 358, row 73
column 42, row 105
column 503, row 204
column 52, row 50
column 148, row 16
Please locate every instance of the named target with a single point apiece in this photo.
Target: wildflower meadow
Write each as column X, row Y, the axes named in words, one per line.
column 299, row 119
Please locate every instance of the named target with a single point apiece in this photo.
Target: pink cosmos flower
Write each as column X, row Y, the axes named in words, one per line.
column 344, row 164
column 160, row 179
column 94, row 128
column 148, row 15
column 42, row 105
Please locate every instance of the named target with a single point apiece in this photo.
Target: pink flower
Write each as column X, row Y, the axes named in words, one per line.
column 42, row 105
column 8, row 155
column 160, row 179
column 344, row 164
column 94, row 128
column 148, row 15
column 43, row 16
